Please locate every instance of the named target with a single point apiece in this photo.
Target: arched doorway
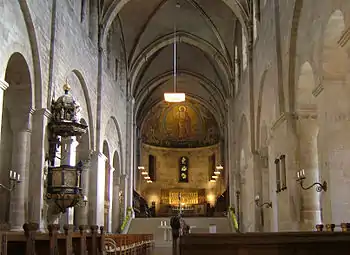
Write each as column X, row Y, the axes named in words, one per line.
column 16, row 136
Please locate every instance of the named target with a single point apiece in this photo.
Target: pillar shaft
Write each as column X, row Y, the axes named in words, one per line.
column 123, row 189
column 81, row 213
column 3, row 86
column 115, row 203
column 310, row 199
column 334, row 139
column 20, row 164
column 37, row 158
column 68, row 156
column 97, row 189
column 130, row 152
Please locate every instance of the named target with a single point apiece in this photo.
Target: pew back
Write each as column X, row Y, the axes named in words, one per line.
column 282, row 243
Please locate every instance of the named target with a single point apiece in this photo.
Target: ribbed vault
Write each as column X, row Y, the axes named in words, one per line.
column 206, row 32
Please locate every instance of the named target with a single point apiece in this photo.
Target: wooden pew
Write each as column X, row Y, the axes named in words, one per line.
column 88, row 241
column 279, row 243
column 32, row 242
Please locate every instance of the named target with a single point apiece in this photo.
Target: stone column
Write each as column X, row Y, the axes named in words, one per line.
column 4, row 173
column 115, row 203
column 81, row 213
column 335, row 149
column 68, row 154
column 123, row 189
column 310, row 212
column 130, row 152
column 230, row 166
column 97, row 189
column 20, row 164
column 3, row 86
column 111, row 198
column 37, row 165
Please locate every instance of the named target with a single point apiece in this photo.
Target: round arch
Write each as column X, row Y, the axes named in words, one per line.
column 84, row 147
column 83, row 84
column 304, row 98
column 17, row 108
column 38, row 93
column 334, row 58
column 119, row 147
column 298, row 5
column 105, row 150
column 116, row 164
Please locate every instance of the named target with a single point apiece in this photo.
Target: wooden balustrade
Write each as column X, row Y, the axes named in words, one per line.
column 88, row 241
column 129, row 244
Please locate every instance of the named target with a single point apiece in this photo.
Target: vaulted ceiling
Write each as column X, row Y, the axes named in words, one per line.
column 206, row 33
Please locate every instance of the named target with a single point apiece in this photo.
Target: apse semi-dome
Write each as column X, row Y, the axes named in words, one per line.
column 180, row 125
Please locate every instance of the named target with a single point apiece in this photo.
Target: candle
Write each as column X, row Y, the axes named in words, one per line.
column 14, row 175
column 298, row 175
column 18, row 177
column 11, row 174
column 303, row 171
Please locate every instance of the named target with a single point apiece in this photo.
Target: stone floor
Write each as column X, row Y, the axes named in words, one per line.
column 162, row 251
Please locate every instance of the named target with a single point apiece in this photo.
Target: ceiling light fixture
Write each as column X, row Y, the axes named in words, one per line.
column 175, row 97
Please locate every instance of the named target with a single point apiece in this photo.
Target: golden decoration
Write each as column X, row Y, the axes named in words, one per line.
column 66, row 87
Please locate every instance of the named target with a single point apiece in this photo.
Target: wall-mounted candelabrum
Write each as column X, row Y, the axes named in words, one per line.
column 14, row 179
column 257, row 202
column 319, row 186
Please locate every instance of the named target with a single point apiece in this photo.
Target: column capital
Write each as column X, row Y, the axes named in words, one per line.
column 42, row 112
column 22, row 121
column 99, row 155
column 3, row 84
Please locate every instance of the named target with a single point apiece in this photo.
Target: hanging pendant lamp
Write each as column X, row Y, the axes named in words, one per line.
column 175, row 97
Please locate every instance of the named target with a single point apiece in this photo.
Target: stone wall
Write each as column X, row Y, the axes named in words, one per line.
column 58, row 41
column 299, row 68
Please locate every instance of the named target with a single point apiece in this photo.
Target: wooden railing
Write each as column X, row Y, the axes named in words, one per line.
column 129, row 244
column 88, row 241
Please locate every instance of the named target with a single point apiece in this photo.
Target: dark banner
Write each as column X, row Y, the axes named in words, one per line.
column 183, row 169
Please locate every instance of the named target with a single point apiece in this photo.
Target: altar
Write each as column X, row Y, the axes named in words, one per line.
column 191, row 201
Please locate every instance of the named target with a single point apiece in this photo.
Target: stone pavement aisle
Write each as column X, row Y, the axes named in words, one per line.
column 162, row 251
